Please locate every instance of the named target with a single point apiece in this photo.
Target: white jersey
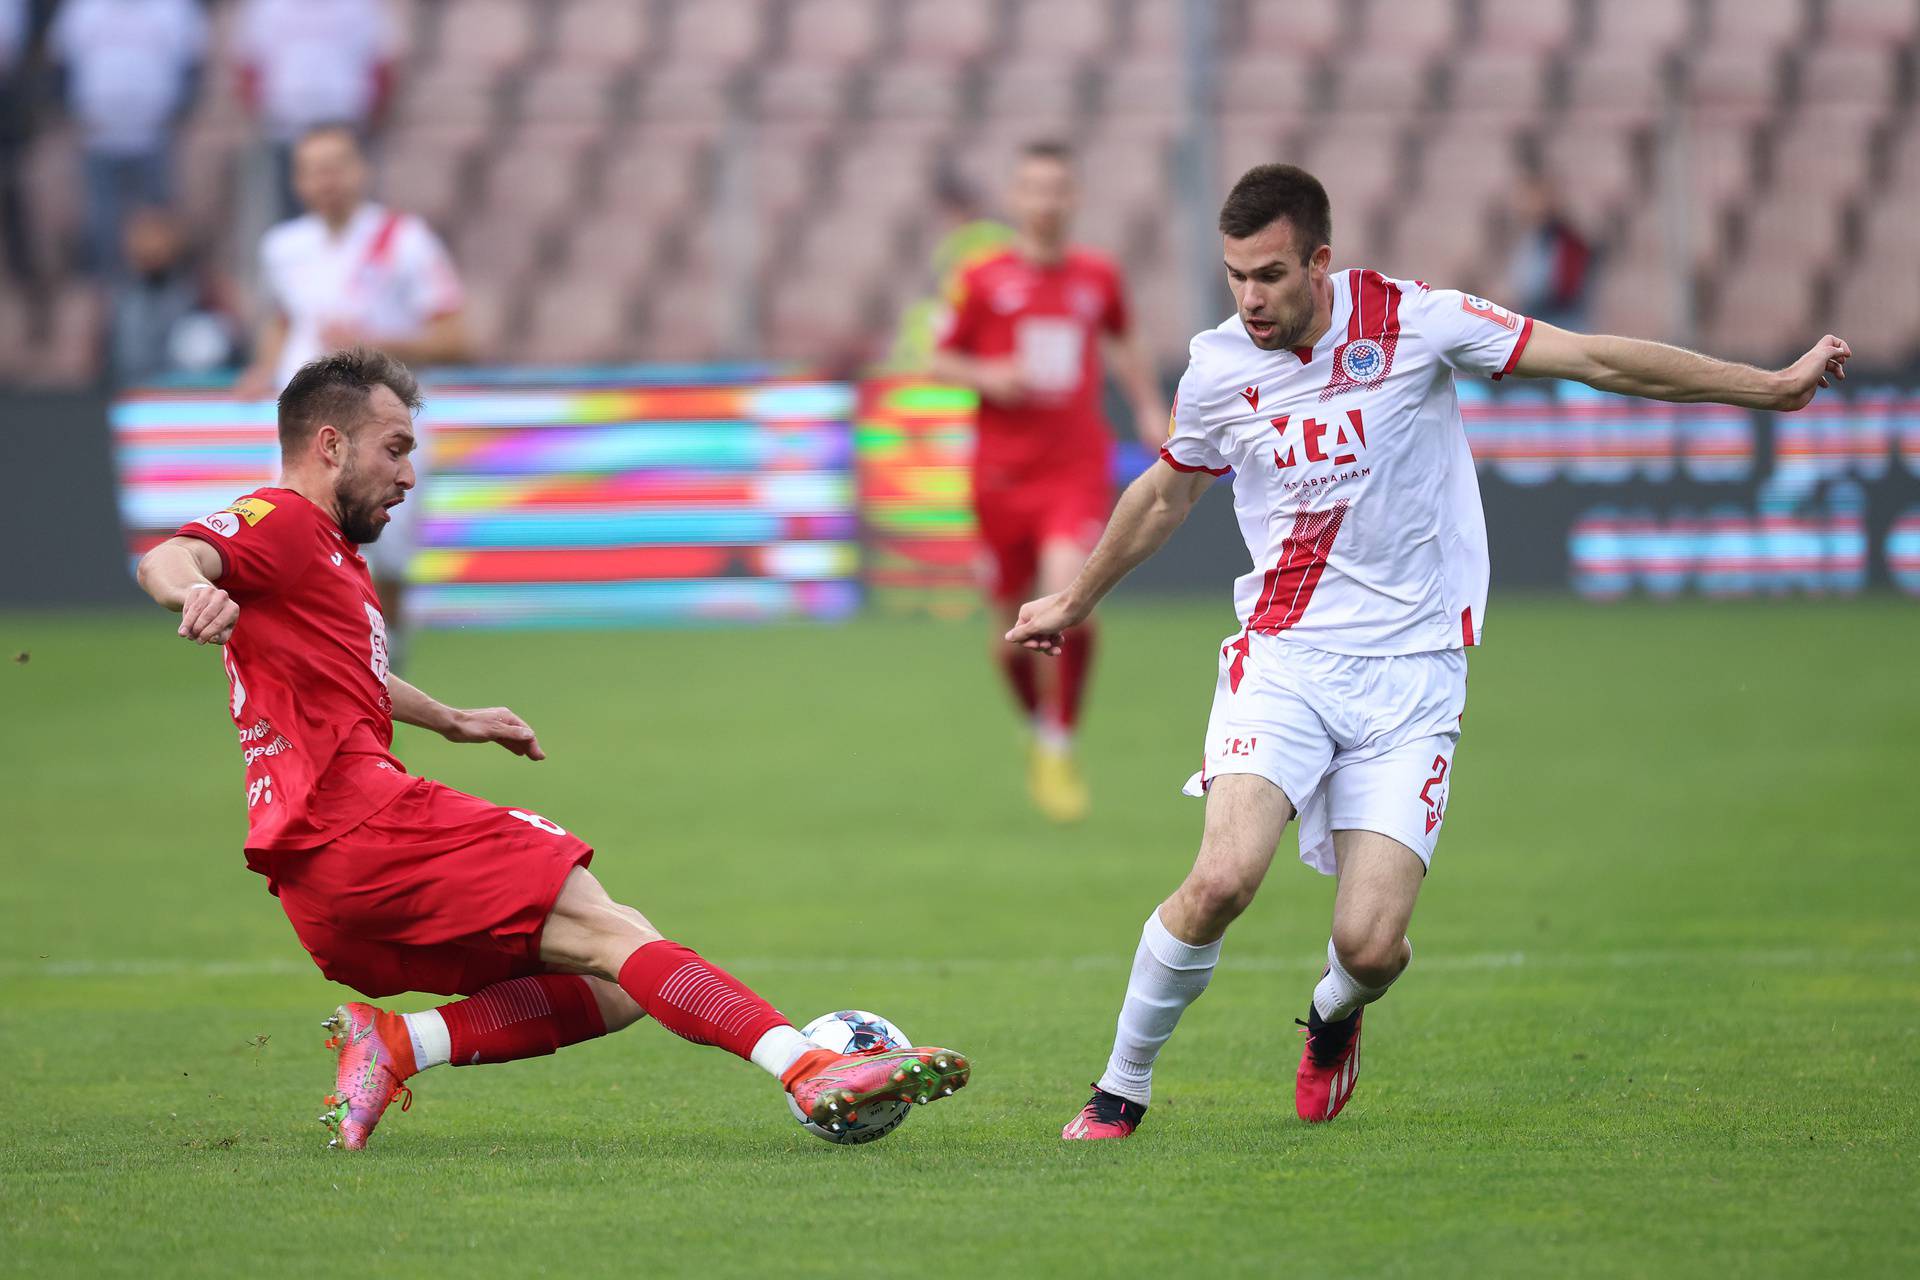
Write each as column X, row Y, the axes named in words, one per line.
column 1353, row 484
column 385, row 274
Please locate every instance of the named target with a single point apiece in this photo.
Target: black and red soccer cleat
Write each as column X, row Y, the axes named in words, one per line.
column 1106, row 1115
column 1329, row 1066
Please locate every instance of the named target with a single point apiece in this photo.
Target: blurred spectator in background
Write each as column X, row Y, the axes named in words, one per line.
column 168, row 314
column 350, row 272
column 129, row 70
column 16, row 249
column 305, row 63
column 967, row 236
column 1552, row 262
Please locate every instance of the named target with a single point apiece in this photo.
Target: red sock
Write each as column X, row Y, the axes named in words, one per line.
column 524, row 1018
column 1076, row 661
column 695, row 1000
column 1018, row 666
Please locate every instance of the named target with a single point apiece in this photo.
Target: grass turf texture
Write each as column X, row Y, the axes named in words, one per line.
column 1662, row 1020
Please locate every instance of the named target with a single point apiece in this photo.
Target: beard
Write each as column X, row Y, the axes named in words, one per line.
column 1290, row 327
column 359, row 513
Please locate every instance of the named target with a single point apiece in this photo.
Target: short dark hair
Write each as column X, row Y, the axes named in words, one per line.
column 334, row 389
column 1048, row 149
column 1268, row 192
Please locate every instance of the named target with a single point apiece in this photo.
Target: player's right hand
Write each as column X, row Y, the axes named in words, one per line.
column 1821, row 367
column 1042, row 624
column 208, row 615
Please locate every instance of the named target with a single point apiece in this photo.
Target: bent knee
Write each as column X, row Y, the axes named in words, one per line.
column 1217, row 898
column 1372, row 956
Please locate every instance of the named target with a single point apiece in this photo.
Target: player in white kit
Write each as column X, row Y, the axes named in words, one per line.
column 1330, row 396
column 351, row 272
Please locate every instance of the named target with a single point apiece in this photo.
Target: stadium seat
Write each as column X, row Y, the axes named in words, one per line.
column 794, row 92
column 1735, row 80
column 609, row 33
column 1046, row 94
column 1142, row 90
column 1629, row 88
column 685, row 94
column 700, row 33
column 1643, row 28
column 1535, row 26
column 1425, row 29
column 1871, row 23
column 1827, row 151
column 835, row 33
column 492, row 305
column 913, row 92
column 1638, row 295
column 1269, row 83
column 1755, row 24
column 1063, row 31
column 1762, row 312
column 445, row 95
column 569, row 95
column 942, row 32
column 1594, row 167
column 424, row 172
column 1509, row 80
column 580, row 318
column 1301, row 27
column 1841, row 75
column 1883, row 324
column 486, row 35
column 537, row 176
column 1383, row 81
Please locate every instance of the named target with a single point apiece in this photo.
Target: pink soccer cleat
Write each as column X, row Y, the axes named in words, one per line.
column 1106, row 1115
column 831, row 1088
column 1329, row 1066
column 370, row 1073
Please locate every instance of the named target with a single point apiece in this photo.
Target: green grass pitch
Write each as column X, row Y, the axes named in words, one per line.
column 1663, row 1019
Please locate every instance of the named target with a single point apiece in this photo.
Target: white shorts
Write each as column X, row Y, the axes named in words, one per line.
column 1357, row 743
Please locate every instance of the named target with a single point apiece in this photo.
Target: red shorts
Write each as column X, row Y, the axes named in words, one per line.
column 1018, row 520
column 439, row 891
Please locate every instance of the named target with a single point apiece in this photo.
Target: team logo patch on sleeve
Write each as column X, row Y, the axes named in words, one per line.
column 1491, row 312
column 252, row 510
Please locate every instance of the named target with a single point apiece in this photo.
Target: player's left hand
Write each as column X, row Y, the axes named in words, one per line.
column 1042, row 623
column 496, row 724
column 1821, row 367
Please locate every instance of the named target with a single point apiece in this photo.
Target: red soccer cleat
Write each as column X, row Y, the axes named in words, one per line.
column 1106, row 1115
column 832, row 1087
column 1329, row 1066
column 370, row 1072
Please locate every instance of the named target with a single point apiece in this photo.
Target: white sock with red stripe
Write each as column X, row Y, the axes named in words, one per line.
column 1340, row 993
column 1168, row 975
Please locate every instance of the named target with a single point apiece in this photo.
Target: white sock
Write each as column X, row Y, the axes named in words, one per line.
column 1052, row 736
column 779, row 1049
column 1339, row 993
column 1168, row 975
column 432, row 1045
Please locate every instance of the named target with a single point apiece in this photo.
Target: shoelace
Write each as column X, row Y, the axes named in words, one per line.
column 1110, row 1108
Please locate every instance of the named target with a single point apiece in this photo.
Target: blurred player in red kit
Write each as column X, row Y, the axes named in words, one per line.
column 396, row 883
column 1028, row 329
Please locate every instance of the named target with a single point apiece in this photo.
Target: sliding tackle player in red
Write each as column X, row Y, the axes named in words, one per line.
column 396, row 883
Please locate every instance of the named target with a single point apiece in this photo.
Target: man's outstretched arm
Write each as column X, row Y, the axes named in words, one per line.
column 1634, row 367
column 1150, row 510
column 179, row 574
column 484, row 724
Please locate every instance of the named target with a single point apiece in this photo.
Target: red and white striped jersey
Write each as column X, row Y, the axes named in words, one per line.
column 1353, row 484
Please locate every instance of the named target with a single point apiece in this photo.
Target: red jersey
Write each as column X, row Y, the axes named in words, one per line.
column 307, row 666
column 1050, row 319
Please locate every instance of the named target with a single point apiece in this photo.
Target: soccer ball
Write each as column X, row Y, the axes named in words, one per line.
column 854, row 1031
